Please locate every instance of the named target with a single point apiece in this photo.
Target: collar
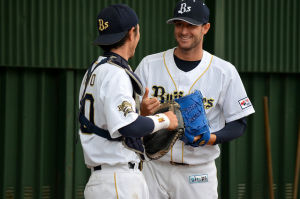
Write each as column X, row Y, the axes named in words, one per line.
column 117, row 58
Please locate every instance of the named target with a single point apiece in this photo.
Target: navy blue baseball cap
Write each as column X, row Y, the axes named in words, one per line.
column 194, row 12
column 113, row 23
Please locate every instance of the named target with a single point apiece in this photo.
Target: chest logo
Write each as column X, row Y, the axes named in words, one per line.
column 160, row 93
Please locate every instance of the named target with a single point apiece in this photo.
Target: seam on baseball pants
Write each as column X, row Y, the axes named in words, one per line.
column 116, row 185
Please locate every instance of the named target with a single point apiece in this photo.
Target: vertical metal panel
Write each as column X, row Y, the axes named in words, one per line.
column 47, row 139
column 81, row 173
column 260, row 36
column 10, row 115
column 59, row 34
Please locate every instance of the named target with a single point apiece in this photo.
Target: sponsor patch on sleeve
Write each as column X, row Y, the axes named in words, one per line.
column 245, row 103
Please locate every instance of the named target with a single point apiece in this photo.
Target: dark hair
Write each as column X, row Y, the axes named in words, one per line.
column 107, row 48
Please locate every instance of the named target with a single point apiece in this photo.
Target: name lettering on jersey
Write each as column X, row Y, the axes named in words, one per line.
column 184, row 8
column 160, row 93
column 102, row 25
column 245, row 103
column 126, row 108
column 92, row 82
column 208, row 103
column 198, row 178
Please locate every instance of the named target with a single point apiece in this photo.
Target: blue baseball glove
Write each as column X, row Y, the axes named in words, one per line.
column 195, row 121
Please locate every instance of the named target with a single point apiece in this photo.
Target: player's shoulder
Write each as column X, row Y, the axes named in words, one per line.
column 157, row 56
column 108, row 67
column 107, row 71
column 153, row 57
column 222, row 65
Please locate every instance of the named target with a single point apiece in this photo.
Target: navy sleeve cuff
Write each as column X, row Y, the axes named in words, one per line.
column 231, row 131
column 140, row 127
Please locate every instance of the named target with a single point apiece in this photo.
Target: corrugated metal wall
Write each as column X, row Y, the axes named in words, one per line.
column 59, row 34
column 244, row 166
column 260, row 36
column 261, row 39
column 38, row 125
column 46, row 45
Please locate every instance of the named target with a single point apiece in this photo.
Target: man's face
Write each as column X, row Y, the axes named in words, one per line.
column 189, row 36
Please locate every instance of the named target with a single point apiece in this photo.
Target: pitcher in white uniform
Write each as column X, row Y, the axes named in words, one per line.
column 186, row 171
column 110, row 128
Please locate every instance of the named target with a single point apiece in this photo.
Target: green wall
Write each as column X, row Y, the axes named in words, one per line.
column 46, row 47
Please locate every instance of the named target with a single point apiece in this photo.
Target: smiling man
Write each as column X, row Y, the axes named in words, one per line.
column 188, row 170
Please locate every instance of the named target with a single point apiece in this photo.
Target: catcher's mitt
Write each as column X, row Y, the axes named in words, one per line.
column 192, row 122
column 159, row 143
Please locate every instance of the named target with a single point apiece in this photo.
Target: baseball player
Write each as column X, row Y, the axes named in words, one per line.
column 110, row 129
column 187, row 171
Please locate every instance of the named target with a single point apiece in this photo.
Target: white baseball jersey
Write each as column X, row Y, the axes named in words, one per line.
column 224, row 96
column 110, row 96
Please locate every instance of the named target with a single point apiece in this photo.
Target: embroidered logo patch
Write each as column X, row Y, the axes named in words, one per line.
column 198, row 178
column 184, row 8
column 245, row 103
column 102, row 24
column 125, row 107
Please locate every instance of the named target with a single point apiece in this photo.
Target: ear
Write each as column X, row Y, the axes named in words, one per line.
column 205, row 28
column 131, row 34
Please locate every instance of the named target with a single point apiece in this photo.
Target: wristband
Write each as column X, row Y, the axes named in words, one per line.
column 161, row 121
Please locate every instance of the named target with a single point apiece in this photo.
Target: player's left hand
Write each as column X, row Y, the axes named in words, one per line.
column 148, row 105
column 211, row 140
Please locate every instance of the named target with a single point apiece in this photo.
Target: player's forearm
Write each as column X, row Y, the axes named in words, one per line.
column 140, row 127
column 231, row 131
column 145, row 125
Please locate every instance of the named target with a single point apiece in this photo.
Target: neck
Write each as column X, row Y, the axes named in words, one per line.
column 122, row 51
column 193, row 54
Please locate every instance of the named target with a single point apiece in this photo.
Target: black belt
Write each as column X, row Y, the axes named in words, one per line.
column 130, row 166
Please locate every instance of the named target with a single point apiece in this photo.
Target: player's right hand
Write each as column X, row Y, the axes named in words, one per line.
column 173, row 120
column 148, row 105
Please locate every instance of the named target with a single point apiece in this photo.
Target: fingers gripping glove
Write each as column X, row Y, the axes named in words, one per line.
column 194, row 117
column 159, row 143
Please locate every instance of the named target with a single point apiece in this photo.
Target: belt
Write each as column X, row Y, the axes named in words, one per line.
column 179, row 163
column 130, row 166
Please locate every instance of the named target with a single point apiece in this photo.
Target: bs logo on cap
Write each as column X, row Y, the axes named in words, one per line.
column 102, row 25
column 194, row 12
column 113, row 23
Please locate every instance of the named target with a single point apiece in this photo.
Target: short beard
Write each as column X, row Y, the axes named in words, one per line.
column 192, row 46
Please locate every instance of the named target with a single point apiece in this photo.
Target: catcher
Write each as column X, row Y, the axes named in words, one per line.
column 110, row 129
